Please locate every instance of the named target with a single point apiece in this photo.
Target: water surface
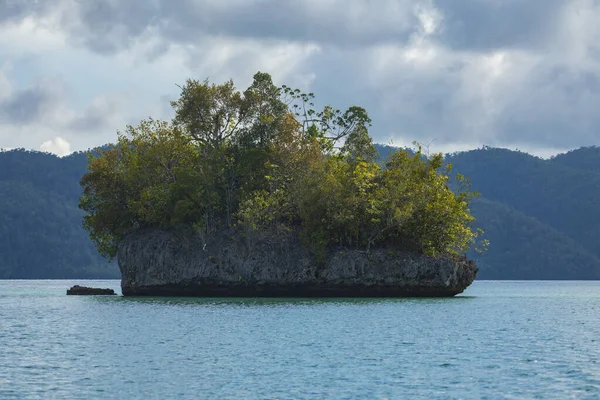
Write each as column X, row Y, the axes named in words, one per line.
column 499, row 340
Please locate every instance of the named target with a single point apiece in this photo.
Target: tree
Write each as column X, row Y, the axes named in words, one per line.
column 147, row 179
column 212, row 114
column 264, row 162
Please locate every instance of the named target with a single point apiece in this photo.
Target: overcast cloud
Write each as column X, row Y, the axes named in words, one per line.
column 511, row 73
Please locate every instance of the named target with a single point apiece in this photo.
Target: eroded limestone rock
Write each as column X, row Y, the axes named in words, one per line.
column 179, row 263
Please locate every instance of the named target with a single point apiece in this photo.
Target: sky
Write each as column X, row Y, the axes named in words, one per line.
column 458, row 74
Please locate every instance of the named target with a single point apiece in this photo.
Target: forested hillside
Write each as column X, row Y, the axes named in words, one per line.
column 541, row 216
column 585, row 158
column 41, row 235
column 557, row 195
column 521, row 247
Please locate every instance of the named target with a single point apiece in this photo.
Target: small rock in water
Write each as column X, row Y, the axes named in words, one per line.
column 89, row 291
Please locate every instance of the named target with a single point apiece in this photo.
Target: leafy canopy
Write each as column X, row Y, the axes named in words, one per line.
column 265, row 162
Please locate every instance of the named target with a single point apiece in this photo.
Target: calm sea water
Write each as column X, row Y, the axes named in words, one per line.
column 499, row 340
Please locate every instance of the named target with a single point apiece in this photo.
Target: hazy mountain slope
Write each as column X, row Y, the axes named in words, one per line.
column 584, row 158
column 562, row 197
column 522, row 247
column 40, row 225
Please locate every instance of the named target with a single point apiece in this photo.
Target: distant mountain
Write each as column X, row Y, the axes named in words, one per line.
column 541, row 216
column 521, row 247
column 385, row 150
column 557, row 195
column 41, row 235
column 585, row 158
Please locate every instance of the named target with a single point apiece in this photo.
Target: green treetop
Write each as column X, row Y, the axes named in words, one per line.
column 265, row 161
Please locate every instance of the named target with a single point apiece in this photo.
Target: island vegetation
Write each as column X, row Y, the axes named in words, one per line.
column 267, row 163
column 524, row 204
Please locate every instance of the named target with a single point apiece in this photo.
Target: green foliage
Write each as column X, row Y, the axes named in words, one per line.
column 407, row 205
column 266, row 161
column 148, row 179
column 359, row 145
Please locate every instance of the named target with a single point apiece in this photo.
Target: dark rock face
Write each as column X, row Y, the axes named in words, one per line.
column 182, row 263
column 88, row 291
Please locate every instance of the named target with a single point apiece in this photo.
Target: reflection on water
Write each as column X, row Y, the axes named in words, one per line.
column 280, row 301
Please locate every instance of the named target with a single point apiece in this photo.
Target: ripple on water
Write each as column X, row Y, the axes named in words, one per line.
column 501, row 340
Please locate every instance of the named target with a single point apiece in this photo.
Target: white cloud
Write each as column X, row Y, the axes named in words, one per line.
column 31, row 35
column 58, row 146
column 429, row 17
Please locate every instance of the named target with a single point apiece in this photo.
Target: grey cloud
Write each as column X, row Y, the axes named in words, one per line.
column 107, row 26
column 553, row 105
column 492, row 24
column 91, row 121
column 422, row 108
column 558, row 107
column 45, row 103
column 27, row 106
column 98, row 115
column 11, row 10
column 354, row 23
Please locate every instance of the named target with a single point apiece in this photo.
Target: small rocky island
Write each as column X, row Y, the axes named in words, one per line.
column 177, row 263
column 89, row 291
column 257, row 193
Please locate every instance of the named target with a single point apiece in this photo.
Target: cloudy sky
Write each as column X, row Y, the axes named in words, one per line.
column 510, row 73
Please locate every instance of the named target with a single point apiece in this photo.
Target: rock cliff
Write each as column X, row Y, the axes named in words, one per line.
column 180, row 263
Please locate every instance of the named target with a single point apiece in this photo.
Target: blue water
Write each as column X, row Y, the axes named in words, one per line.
column 500, row 340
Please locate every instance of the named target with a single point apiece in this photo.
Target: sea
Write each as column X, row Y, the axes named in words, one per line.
column 497, row 340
